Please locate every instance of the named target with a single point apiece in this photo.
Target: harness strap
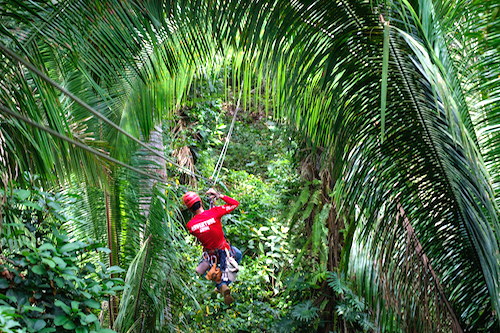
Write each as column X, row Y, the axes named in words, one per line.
column 221, row 255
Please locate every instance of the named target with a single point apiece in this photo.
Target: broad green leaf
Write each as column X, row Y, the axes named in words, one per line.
column 39, row 325
column 60, row 262
column 32, row 205
column 81, row 330
column 336, row 283
column 96, row 289
column 46, row 246
column 71, row 247
column 69, row 325
column 104, row 249
column 63, row 306
column 75, row 305
column 60, row 320
column 92, row 304
column 54, row 205
column 34, row 308
column 39, row 269
column 117, row 288
column 90, row 267
column 90, row 318
column 60, row 282
column 115, row 270
column 86, row 294
column 261, row 248
column 4, row 283
column 49, row 262
column 22, row 194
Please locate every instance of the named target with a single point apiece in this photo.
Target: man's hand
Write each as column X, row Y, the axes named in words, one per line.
column 213, row 194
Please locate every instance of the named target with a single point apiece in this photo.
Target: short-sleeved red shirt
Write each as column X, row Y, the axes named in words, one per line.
column 207, row 226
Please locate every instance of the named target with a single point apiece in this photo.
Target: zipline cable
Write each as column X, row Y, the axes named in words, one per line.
column 222, row 155
column 35, row 70
column 81, row 145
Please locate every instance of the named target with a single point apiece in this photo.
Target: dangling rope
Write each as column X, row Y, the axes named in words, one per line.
column 222, row 155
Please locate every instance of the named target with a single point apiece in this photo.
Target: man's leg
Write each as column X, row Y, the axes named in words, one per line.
column 225, row 292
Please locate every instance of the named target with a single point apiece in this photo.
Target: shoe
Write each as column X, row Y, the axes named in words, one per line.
column 226, row 292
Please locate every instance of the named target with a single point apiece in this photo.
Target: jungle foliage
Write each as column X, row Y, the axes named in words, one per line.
column 387, row 111
column 49, row 283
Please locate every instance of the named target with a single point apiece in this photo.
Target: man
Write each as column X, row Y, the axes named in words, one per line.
column 206, row 226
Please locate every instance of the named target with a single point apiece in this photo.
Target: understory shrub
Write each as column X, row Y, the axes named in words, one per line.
column 48, row 282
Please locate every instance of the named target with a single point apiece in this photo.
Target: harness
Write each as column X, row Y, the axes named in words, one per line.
column 219, row 256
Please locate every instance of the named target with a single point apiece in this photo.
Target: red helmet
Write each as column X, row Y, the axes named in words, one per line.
column 190, row 198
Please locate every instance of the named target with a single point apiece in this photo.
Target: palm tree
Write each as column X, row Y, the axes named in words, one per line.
column 401, row 95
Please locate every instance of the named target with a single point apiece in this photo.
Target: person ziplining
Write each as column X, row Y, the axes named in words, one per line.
column 219, row 260
column 218, row 254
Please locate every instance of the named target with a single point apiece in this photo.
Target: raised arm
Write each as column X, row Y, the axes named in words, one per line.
column 231, row 203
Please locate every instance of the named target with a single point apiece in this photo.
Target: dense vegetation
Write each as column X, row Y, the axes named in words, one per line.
column 364, row 155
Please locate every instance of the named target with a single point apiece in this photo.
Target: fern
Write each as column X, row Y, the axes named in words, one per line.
column 355, row 301
column 318, row 230
column 304, row 195
column 366, row 323
column 337, row 284
column 313, row 201
column 352, row 307
column 305, row 311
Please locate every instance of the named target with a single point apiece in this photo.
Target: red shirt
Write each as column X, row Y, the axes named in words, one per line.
column 207, row 226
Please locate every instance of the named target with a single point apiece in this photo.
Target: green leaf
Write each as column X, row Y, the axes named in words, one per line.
column 59, row 281
column 22, row 194
column 63, row 306
column 385, row 67
column 104, row 249
column 96, row 289
column 69, row 325
column 32, row 205
column 54, row 205
column 92, row 304
column 60, row 320
column 34, row 308
column 39, row 325
column 39, row 269
column 261, row 248
column 115, row 270
column 49, row 262
column 305, row 311
column 4, row 284
column 90, row 318
column 75, row 305
column 46, row 246
column 81, row 330
column 71, row 247
column 60, row 262
column 336, row 283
